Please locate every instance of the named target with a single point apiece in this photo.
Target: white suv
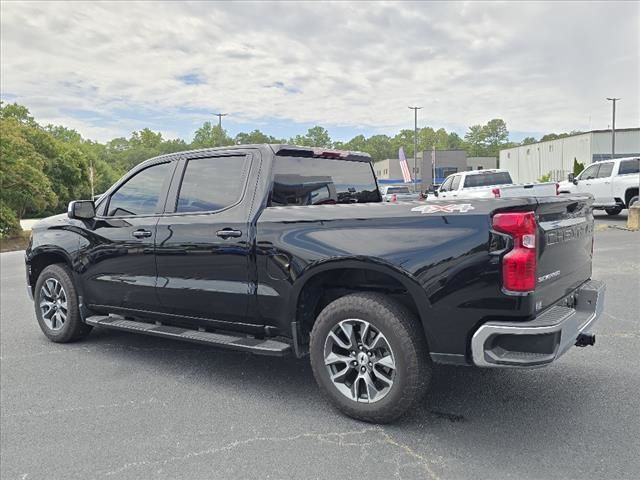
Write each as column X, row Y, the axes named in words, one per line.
column 613, row 183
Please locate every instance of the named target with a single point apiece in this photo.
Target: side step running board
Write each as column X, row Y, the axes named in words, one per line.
column 246, row 344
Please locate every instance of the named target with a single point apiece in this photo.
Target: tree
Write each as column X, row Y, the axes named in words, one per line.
column 475, row 140
column 254, row 137
column 316, row 137
column 496, row 135
column 24, row 184
column 528, row 141
column 209, row 135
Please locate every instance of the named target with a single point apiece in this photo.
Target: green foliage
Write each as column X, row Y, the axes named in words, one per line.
column 545, row 178
column 316, row 137
column 577, row 166
column 487, row 140
column 23, row 183
column 209, row 135
column 9, row 223
column 528, row 141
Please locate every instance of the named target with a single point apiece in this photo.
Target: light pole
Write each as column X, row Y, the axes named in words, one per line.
column 415, row 146
column 220, row 115
column 613, row 127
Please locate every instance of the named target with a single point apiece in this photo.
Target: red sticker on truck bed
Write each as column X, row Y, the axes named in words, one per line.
column 448, row 208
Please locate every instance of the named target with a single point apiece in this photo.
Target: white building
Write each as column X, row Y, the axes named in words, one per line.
column 528, row 163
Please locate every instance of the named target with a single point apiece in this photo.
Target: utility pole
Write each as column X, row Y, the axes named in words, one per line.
column 613, row 127
column 415, row 146
column 220, row 115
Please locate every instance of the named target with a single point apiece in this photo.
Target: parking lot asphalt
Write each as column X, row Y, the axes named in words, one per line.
column 119, row 405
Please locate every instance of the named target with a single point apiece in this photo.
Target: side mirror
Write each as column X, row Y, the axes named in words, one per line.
column 435, row 192
column 571, row 177
column 81, row 210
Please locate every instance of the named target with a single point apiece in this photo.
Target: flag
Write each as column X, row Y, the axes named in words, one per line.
column 404, row 166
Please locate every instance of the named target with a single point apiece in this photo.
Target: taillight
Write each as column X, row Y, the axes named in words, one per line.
column 496, row 192
column 557, row 189
column 394, row 198
column 519, row 265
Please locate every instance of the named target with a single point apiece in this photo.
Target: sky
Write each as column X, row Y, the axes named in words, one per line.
column 108, row 69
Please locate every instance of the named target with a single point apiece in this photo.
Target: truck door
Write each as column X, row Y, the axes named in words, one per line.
column 587, row 177
column 601, row 185
column 117, row 251
column 203, row 247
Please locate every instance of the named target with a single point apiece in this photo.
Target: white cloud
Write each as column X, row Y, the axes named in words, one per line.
column 540, row 66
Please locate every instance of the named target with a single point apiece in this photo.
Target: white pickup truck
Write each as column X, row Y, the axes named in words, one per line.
column 613, row 183
column 493, row 183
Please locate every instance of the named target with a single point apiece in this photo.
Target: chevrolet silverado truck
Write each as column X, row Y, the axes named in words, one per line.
column 290, row 251
column 613, row 184
column 493, row 183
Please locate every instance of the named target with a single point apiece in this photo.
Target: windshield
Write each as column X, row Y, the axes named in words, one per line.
column 398, row 190
column 313, row 181
column 487, row 179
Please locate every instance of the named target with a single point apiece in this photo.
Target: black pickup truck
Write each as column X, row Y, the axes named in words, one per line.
column 284, row 250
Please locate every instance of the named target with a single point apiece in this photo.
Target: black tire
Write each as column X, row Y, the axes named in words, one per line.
column 73, row 328
column 613, row 211
column 405, row 338
column 632, row 201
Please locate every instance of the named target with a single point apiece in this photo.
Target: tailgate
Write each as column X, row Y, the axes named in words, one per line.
column 529, row 190
column 565, row 246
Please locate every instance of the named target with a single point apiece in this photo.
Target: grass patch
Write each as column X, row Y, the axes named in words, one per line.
column 18, row 242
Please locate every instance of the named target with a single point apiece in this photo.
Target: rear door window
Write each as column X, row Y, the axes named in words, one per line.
column 211, row 184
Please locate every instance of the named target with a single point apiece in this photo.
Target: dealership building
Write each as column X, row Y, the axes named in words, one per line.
column 528, row 163
column 447, row 163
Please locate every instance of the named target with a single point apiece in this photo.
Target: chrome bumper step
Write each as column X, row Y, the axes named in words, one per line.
column 246, row 344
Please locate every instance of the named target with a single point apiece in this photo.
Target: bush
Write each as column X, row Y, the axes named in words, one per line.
column 9, row 223
column 577, row 167
column 545, row 178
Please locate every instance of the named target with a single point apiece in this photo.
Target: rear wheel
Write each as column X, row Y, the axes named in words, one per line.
column 633, row 201
column 56, row 303
column 613, row 211
column 369, row 357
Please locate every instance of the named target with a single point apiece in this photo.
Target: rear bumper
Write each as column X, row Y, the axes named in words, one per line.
column 542, row 340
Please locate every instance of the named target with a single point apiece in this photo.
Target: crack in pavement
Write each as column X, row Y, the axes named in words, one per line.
column 129, row 404
column 374, row 435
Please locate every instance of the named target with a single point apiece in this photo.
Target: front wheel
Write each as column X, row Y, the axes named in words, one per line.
column 56, row 303
column 369, row 357
column 613, row 211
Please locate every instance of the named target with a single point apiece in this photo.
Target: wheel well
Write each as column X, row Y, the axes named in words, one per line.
column 327, row 286
column 629, row 194
column 42, row 261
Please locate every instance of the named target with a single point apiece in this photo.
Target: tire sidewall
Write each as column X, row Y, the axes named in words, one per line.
column 405, row 358
column 73, row 317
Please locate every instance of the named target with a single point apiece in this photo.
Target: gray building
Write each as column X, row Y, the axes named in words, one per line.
column 447, row 163
column 527, row 163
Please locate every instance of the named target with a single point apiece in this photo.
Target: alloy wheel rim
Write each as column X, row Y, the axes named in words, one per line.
column 359, row 360
column 53, row 304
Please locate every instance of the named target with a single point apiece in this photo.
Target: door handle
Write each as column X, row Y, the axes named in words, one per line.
column 228, row 232
column 141, row 233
